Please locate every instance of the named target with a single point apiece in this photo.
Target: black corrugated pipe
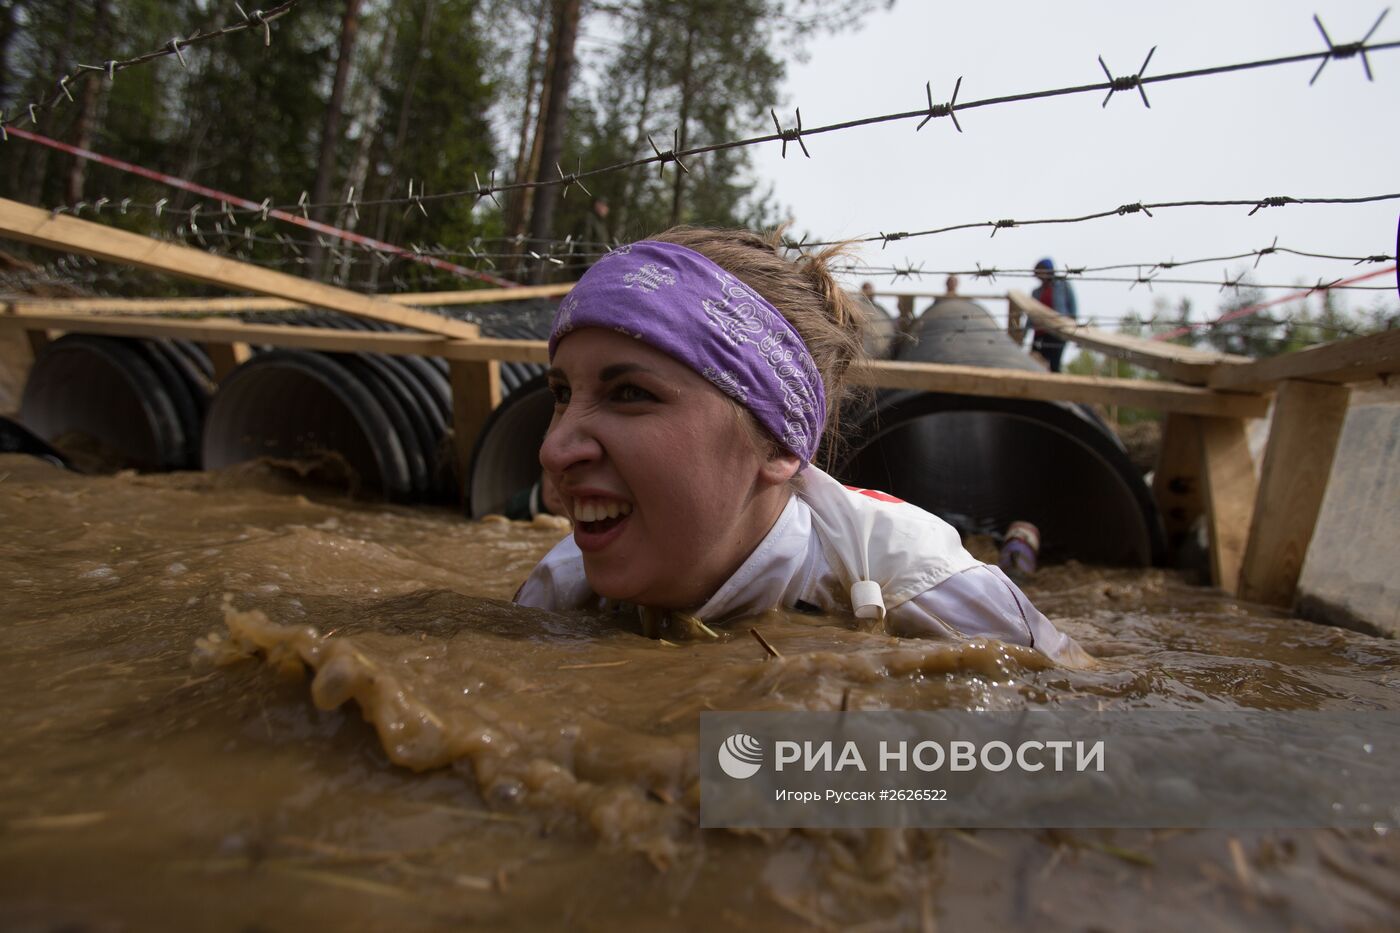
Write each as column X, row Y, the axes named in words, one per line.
column 115, row 402
column 380, row 422
column 982, row 463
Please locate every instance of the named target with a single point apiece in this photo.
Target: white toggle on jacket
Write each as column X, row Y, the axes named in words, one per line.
column 835, row 548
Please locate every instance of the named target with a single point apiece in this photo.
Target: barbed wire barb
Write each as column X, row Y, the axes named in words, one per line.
column 1261, row 253
column 1347, row 50
column 256, row 18
column 941, row 110
column 571, row 179
column 669, row 155
column 1129, row 82
column 790, row 135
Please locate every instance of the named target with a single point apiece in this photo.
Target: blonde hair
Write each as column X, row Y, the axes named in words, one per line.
column 804, row 291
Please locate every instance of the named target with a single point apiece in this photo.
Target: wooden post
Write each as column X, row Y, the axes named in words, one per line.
column 1307, row 423
column 38, row 339
column 226, row 357
column 1229, row 489
column 476, row 391
column 1176, row 481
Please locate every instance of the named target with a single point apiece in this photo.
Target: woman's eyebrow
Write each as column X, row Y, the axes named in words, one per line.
column 609, row 373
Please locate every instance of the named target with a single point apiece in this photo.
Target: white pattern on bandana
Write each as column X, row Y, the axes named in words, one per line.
column 740, row 318
column 727, row 383
column 649, row 277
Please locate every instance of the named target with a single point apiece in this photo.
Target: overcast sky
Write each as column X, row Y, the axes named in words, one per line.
column 1245, row 135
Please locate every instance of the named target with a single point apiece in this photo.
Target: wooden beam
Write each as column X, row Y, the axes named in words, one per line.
column 1354, row 360
column 1184, row 364
column 234, row 305
column 1177, row 480
column 929, row 377
column 309, row 338
column 1307, row 423
column 226, row 357
column 483, row 295
column 32, row 225
column 1045, row 386
column 476, row 391
column 223, row 330
column 1229, row 488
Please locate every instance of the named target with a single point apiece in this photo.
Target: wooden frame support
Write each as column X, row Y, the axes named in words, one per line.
column 215, row 306
column 1353, row 360
column 1229, row 488
column 32, row 225
column 1177, row 479
column 1048, row 386
column 37, row 339
column 1184, row 364
column 226, row 357
column 1307, row 424
column 476, row 391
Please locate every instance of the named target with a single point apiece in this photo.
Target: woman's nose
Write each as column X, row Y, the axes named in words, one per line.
column 568, row 442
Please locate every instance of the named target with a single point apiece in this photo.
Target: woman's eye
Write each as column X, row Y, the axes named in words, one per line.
column 560, row 392
column 631, row 393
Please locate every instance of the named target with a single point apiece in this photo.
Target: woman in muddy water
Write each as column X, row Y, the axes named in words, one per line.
column 695, row 376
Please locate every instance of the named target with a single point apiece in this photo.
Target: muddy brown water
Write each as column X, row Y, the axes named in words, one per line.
column 167, row 761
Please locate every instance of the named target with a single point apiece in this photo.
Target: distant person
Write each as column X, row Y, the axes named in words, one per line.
column 867, row 291
column 1055, row 293
column 950, row 287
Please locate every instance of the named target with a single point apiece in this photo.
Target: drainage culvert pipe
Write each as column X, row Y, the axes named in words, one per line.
column 380, row 424
column 115, row 402
column 982, row 462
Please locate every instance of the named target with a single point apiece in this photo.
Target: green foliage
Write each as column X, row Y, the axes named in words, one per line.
column 425, row 80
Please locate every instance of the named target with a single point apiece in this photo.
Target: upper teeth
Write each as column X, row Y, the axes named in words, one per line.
column 595, row 510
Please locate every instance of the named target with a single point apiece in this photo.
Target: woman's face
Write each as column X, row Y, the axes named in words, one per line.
column 666, row 489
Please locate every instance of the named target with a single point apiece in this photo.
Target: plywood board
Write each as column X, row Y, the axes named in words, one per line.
column 1307, row 422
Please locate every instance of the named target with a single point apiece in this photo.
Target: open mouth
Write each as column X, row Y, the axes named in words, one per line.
column 597, row 521
column 602, row 526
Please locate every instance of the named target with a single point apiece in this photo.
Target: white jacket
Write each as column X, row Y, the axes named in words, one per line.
column 827, row 540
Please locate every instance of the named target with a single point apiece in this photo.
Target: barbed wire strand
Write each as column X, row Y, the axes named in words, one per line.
column 258, row 19
column 798, row 133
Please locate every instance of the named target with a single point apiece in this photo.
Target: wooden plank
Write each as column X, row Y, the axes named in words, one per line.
column 1176, row 480
column 1046, row 386
column 1307, row 423
column 141, row 306
column 222, row 330
column 930, row 377
column 233, row 305
column 476, row 391
column 1185, row 364
column 1353, row 360
column 483, row 295
column 32, row 225
column 1229, row 488
column 968, row 296
column 226, row 357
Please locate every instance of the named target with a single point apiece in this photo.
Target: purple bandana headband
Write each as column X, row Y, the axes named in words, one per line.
column 681, row 303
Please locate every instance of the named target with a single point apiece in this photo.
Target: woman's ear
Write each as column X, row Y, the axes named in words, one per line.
column 781, row 466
